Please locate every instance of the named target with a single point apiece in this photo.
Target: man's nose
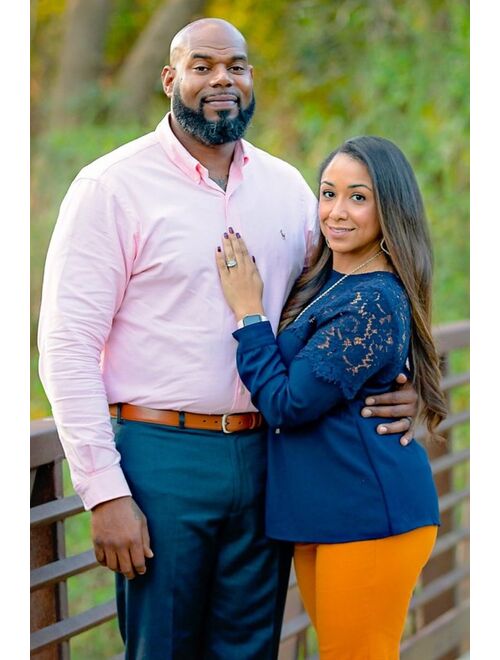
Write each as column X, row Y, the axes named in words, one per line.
column 221, row 76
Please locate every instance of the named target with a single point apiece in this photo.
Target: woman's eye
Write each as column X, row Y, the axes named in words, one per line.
column 358, row 197
column 328, row 194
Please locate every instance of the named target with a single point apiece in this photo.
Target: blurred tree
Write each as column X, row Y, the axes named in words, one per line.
column 324, row 71
column 140, row 71
column 80, row 64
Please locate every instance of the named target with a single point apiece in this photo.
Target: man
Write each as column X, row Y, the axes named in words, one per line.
column 132, row 314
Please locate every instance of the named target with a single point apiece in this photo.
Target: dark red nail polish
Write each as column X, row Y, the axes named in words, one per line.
column 238, row 235
column 253, row 258
column 226, row 235
column 231, row 230
column 219, row 249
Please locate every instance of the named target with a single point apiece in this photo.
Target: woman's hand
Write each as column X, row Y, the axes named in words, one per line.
column 240, row 279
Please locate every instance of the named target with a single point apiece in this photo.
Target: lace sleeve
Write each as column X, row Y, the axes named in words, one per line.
column 364, row 336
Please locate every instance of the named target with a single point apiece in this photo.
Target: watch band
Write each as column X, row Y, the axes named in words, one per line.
column 249, row 319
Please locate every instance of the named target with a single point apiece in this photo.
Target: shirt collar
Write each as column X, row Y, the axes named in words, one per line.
column 185, row 161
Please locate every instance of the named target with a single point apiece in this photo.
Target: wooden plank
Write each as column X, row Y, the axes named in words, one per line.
column 438, row 637
column 55, row 510
column 450, row 500
column 455, row 380
column 62, row 569
column 446, row 561
column 451, row 421
column 295, row 626
column 62, row 587
column 439, row 586
column 447, row 461
column 44, row 605
column 63, row 630
column 45, row 446
column 450, row 540
column 451, row 336
column 32, row 480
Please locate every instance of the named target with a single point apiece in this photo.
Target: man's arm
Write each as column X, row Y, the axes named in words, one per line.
column 401, row 402
column 88, row 267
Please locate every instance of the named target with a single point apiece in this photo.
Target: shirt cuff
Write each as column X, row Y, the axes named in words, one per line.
column 254, row 335
column 104, row 486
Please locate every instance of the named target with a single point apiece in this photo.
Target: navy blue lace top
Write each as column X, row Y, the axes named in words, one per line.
column 331, row 477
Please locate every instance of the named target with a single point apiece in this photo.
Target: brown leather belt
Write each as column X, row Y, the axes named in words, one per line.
column 225, row 423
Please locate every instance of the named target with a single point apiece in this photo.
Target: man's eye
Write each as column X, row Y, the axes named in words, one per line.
column 238, row 69
column 201, row 68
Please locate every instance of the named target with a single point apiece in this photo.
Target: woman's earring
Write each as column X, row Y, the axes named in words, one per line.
column 383, row 247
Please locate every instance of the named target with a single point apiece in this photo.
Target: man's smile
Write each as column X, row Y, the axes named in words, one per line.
column 221, row 101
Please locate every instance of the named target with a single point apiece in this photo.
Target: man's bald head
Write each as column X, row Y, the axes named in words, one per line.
column 210, row 82
column 195, row 33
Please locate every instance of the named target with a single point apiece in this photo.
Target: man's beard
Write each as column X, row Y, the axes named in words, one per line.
column 208, row 132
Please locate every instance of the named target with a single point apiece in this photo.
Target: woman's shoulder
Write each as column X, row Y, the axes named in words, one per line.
column 356, row 332
column 370, row 293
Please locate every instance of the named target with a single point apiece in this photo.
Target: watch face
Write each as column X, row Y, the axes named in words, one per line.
column 252, row 318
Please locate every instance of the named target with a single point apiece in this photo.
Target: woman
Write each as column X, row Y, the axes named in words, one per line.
column 362, row 511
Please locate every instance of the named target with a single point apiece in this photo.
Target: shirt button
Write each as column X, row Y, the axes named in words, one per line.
column 277, row 431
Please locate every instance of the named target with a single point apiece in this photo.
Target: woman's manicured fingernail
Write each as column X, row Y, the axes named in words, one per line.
column 238, row 235
column 219, row 249
column 370, row 401
column 366, row 412
column 231, row 230
column 226, row 234
column 253, row 258
column 382, row 429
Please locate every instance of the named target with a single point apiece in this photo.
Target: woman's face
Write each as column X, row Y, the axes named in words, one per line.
column 347, row 210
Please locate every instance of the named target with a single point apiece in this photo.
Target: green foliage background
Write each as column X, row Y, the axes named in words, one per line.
column 324, row 71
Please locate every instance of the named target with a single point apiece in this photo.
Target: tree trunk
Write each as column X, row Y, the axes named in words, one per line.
column 141, row 70
column 82, row 51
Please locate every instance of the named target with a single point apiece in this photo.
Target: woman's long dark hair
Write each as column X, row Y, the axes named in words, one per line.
column 403, row 224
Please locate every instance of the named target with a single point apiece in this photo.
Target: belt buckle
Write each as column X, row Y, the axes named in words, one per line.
column 224, row 422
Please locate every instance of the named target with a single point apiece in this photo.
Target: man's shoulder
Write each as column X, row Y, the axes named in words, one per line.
column 123, row 159
column 271, row 162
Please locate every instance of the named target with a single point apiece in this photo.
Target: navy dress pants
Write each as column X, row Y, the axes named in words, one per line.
column 216, row 587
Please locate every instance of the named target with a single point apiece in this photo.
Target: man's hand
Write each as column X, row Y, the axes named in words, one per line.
column 120, row 536
column 398, row 403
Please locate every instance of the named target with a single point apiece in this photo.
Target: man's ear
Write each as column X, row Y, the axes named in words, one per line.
column 167, row 78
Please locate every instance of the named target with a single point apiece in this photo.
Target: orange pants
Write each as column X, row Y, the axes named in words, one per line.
column 357, row 594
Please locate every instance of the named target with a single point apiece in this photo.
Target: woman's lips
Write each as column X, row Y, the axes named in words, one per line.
column 339, row 231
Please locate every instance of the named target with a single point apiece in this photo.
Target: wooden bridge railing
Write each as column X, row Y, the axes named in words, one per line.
column 438, row 621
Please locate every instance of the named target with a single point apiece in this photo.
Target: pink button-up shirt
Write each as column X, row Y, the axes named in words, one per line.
column 132, row 309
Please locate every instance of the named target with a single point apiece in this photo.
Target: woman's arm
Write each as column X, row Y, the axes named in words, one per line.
column 324, row 373
column 286, row 397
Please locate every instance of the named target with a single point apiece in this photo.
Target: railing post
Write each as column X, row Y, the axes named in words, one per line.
column 49, row 604
column 295, row 647
column 446, row 625
column 444, row 562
